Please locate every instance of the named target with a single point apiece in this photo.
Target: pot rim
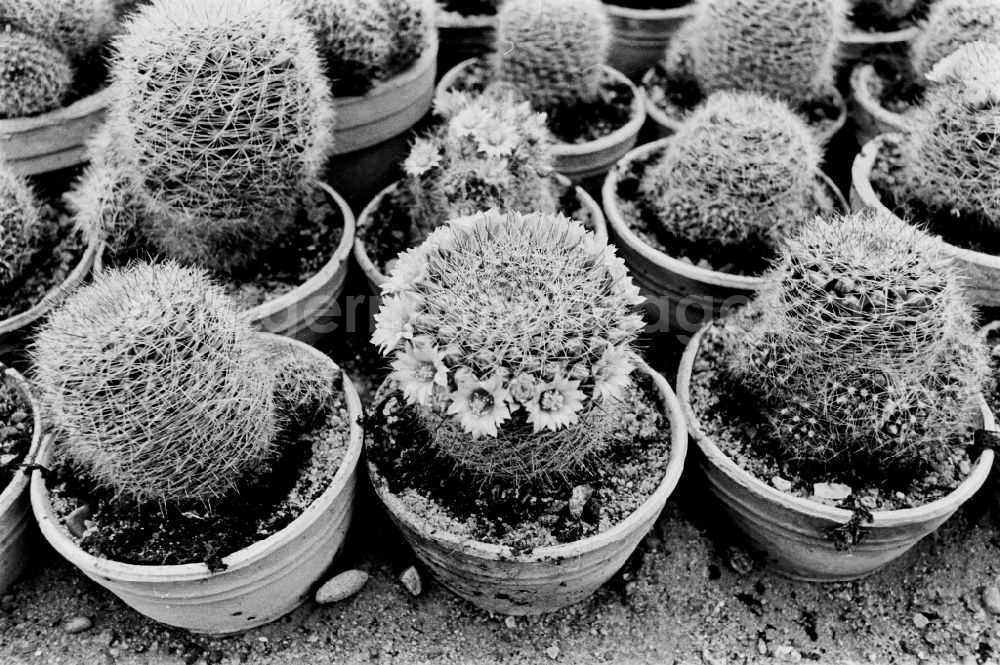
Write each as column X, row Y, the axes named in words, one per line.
column 492, row 552
column 193, row 572
column 861, row 77
column 453, row 20
column 630, row 13
column 858, row 37
column 81, row 108
column 15, row 488
column 609, row 197
column 377, row 277
column 426, row 60
column 836, row 516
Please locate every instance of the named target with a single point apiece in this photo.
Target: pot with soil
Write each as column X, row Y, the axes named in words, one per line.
column 942, row 174
column 20, row 435
column 266, row 428
column 788, row 51
column 698, row 216
column 466, row 29
column 251, row 213
column 52, row 73
column 522, row 466
column 835, row 416
column 641, row 31
column 594, row 111
column 878, row 28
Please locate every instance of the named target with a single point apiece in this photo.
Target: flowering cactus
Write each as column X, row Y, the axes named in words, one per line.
column 949, row 25
column 20, row 226
column 512, row 337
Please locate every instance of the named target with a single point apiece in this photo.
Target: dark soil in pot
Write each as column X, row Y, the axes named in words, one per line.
column 576, row 123
column 310, row 453
column 731, row 416
column 460, row 502
column 293, row 259
column 16, row 430
column 993, row 394
column 870, row 16
column 748, row 259
column 887, row 179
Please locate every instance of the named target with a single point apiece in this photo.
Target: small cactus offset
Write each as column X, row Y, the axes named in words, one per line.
column 784, row 49
column 221, row 121
column 950, row 24
column 512, row 336
column 951, row 157
column 34, row 77
column 74, row 27
column 863, row 347
column 20, row 226
column 552, row 51
column 487, row 153
column 741, row 167
column 156, row 385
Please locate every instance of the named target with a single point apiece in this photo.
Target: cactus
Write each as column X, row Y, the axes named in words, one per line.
column 512, row 338
column 412, row 24
column 34, row 78
column 74, row 27
column 741, row 167
column 487, row 153
column 951, row 156
column 156, row 385
column 784, row 49
column 862, row 347
column 218, row 145
column 20, row 226
column 950, row 24
column 552, row 51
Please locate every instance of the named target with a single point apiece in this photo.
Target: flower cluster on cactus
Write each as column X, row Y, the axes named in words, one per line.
column 949, row 25
column 488, row 152
column 42, row 44
column 513, row 337
column 950, row 156
column 741, row 166
column 552, row 51
column 366, row 41
column 205, row 158
column 863, row 347
column 20, row 226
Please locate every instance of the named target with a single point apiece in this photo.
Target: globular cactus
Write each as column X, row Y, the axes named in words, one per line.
column 487, row 152
column 949, row 25
column 512, row 338
column 951, row 156
column 34, row 77
column 20, row 226
column 221, row 121
column 74, row 27
column 552, row 51
column 862, row 347
column 412, row 24
column 784, row 49
column 156, row 386
column 741, row 167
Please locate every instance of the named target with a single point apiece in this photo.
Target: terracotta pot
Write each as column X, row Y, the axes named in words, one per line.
column 463, row 37
column 261, row 583
column 583, row 162
column 639, row 37
column 861, row 45
column 370, row 134
column 982, row 271
column 685, row 295
column 15, row 330
column 17, row 528
column 376, row 277
column 306, row 312
column 791, row 531
column 870, row 117
column 53, row 140
column 497, row 579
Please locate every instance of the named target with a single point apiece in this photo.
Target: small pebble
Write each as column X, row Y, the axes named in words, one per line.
column 411, row 580
column 832, row 491
column 964, row 468
column 552, row 652
column 77, row 520
column 762, row 647
column 510, row 622
column 991, row 599
column 75, row 625
column 781, row 484
column 739, row 560
column 578, row 501
column 920, row 621
column 341, row 587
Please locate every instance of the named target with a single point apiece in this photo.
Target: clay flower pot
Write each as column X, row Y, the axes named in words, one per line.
column 497, row 579
column 982, row 271
column 463, row 37
column 370, row 137
column 53, row 140
column 639, row 37
column 376, row 277
column 870, row 117
column 584, row 161
column 686, row 294
column 260, row 583
column 17, row 528
column 791, row 531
